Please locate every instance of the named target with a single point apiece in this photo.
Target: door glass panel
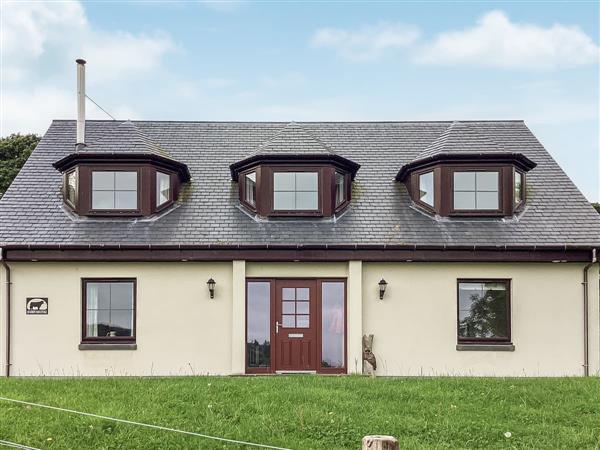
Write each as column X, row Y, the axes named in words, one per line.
column 288, row 294
column 288, row 308
column 288, row 321
column 302, row 321
column 258, row 339
column 332, row 326
column 302, row 307
column 302, row 293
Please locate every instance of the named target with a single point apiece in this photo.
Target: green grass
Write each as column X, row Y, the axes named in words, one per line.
column 305, row 412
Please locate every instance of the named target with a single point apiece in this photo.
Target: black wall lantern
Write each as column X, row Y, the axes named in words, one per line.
column 211, row 287
column 382, row 286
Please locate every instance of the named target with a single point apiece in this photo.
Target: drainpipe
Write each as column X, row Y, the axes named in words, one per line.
column 586, row 343
column 8, row 283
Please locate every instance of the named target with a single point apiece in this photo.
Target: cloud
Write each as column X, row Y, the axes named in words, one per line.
column 39, row 43
column 495, row 41
column 368, row 42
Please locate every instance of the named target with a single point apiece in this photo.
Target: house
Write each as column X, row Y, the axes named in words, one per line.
column 180, row 248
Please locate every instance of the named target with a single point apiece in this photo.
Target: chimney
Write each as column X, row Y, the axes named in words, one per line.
column 80, row 102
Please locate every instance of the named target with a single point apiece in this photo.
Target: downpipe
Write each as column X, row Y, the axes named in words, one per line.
column 586, row 328
column 8, row 309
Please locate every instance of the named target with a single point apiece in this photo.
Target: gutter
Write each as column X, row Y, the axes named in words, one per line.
column 8, row 309
column 586, row 341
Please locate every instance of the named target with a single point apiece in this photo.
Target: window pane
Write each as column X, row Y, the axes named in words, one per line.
column 98, row 295
column 483, row 310
column 72, row 186
column 307, row 200
column 97, row 323
column 103, row 200
column 487, row 200
column 518, row 187
column 121, row 322
column 464, row 200
column 464, row 181
column 288, row 307
column 284, row 181
column 284, row 200
column 303, row 308
column 125, row 200
column 487, row 181
column 163, row 188
column 103, row 181
column 332, row 326
column 121, row 295
column 126, row 181
column 340, row 189
column 288, row 321
column 258, row 339
column 307, row 181
column 288, row 293
column 302, row 293
column 426, row 188
column 250, row 188
column 302, row 322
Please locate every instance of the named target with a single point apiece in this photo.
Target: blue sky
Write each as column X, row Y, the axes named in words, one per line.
column 537, row 61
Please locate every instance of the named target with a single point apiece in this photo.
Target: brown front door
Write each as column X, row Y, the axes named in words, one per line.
column 295, row 325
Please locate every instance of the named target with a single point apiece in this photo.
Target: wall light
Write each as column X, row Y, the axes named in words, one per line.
column 211, row 287
column 382, row 286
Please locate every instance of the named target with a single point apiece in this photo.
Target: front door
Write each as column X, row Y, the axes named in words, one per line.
column 295, row 325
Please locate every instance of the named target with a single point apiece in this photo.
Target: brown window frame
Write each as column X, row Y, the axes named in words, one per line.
column 318, row 318
column 476, row 212
column 66, row 187
column 517, row 206
column 107, row 339
column 490, row 341
column 242, row 188
column 347, row 190
column 154, row 186
column 116, row 212
column 296, row 212
column 415, row 188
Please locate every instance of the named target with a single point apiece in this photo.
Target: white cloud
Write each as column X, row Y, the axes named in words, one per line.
column 39, row 43
column 495, row 41
column 368, row 42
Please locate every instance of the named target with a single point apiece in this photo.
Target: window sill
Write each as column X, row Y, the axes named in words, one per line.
column 508, row 347
column 110, row 346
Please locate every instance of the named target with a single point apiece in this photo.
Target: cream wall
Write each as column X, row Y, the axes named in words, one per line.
column 180, row 331
column 415, row 324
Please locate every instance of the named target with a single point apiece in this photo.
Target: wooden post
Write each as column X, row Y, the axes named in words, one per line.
column 369, row 360
column 380, row 443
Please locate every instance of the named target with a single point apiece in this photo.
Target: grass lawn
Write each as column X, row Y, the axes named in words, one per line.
column 304, row 412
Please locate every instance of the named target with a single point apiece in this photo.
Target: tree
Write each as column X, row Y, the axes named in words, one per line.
column 597, row 206
column 14, row 151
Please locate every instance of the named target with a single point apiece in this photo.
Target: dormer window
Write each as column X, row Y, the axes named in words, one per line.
column 340, row 189
column 518, row 194
column 163, row 188
column 295, row 191
column 114, row 190
column 70, row 189
column 426, row 191
column 250, row 188
column 476, row 190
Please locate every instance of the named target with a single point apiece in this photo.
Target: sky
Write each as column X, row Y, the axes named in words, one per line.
column 308, row 61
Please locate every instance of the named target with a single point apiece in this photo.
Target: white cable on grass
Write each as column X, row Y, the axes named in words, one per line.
column 15, row 445
column 131, row 422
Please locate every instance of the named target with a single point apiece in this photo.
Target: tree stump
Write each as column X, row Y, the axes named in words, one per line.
column 380, row 443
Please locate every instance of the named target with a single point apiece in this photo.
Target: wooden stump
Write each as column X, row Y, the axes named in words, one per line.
column 380, row 443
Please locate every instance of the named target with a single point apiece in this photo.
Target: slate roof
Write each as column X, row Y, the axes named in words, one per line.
column 293, row 139
column 125, row 138
column 381, row 212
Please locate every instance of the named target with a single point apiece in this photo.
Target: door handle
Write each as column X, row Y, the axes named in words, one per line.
column 277, row 325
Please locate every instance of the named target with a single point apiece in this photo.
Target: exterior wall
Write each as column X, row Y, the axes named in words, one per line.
column 415, row 325
column 180, row 331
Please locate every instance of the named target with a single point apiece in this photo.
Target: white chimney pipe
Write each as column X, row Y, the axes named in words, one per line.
column 80, row 101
